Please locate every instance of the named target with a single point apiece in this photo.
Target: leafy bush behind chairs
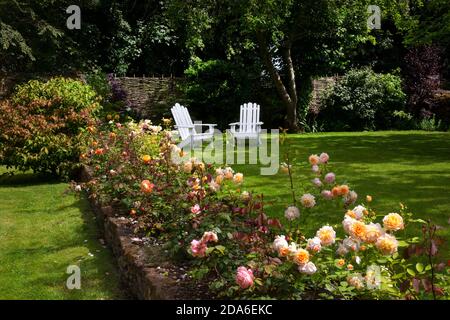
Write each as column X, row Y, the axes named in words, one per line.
column 362, row 100
column 214, row 89
column 42, row 127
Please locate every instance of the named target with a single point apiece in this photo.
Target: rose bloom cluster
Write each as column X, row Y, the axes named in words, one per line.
column 360, row 232
column 326, row 182
column 325, row 236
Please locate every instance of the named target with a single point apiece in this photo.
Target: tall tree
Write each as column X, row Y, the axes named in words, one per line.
column 276, row 30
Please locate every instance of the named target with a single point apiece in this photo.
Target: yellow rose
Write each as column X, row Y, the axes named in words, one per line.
column 393, row 221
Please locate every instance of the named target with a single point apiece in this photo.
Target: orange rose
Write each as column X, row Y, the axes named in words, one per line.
column 336, row 191
column 284, row 251
column 344, row 189
column 99, row 151
column 351, row 214
column 147, row 186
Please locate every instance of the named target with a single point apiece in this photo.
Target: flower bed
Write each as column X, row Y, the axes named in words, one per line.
column 220, row 234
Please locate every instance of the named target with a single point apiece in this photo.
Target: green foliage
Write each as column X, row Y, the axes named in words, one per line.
column 429, row 124
column 42, row 127
column 215, row 89
column 99, row 82
column 362, row 100
column 403, row 120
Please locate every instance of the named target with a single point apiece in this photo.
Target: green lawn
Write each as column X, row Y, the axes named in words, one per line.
column 409, row 167
column 42, row 232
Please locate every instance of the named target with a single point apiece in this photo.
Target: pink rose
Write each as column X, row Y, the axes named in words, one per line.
column 330, row 178
column 324, row 157
column 244, row 277
column 315, row 168
column 198, row 248
column 317, row 182
column 196, row 209
column 326, row 194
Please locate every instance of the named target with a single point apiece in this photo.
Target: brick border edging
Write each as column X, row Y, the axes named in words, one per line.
column 141, row 281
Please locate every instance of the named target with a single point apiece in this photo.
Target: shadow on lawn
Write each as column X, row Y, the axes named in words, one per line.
column 26, row 179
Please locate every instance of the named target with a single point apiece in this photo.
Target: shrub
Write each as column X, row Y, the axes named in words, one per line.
column 114, row 99
column 429, row 124
column 362, row 100
column 42, row 127
column 402, row 120
column 423, row 68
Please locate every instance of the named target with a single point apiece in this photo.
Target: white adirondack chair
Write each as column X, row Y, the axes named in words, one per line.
column 249, row 125
column 186, row 128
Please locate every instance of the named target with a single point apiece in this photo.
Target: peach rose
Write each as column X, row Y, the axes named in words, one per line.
column 314, row 159
column 327, row 235
column 301, row 257
column 238, row 178
column 387, row 244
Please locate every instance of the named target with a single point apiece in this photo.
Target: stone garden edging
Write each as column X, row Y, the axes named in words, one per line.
column 143, row 279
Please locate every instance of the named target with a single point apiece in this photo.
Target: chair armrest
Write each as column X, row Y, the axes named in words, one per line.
column 206, row 124
column 184, row 126
column 234, row 123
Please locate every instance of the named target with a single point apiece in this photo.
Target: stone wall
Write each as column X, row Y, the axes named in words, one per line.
column 151, row 97
column 145, row 270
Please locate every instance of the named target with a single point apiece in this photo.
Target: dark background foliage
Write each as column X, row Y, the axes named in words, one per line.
column 220, row 46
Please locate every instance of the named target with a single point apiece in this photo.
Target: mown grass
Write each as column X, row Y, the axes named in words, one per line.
column 411, row 167
column 42, row 232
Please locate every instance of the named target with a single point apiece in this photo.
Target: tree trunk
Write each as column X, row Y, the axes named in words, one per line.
column 289, row 98
column 292, row 108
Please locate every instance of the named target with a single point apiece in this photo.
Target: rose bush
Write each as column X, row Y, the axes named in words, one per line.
column 205, row 218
